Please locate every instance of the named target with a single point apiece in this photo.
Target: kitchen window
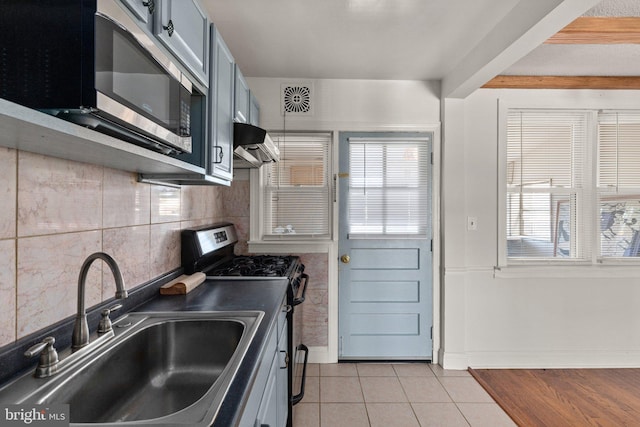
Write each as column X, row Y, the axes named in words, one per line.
column 572, row 190
column 296, row 191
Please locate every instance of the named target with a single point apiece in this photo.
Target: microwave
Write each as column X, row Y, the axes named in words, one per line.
column 88, row 62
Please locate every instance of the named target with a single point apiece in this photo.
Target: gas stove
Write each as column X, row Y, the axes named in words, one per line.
column 210, row 249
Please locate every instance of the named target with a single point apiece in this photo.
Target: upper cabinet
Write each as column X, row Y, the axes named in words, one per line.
column 183, row 27
column 143, row 10
column 221, row 102
column 181, row 31
column 242, row 98
column 254, row 111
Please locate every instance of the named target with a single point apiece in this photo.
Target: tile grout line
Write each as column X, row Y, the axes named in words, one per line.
column 455, row 402
column 452, row 399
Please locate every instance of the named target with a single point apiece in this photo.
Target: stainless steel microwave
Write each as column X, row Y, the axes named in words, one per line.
column 87, row 61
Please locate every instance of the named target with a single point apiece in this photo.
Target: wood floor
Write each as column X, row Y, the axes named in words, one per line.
column 565, row 397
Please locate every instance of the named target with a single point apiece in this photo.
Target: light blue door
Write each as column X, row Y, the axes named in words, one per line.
column 385, row 266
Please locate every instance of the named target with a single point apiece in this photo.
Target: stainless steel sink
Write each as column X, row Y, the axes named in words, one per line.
column 159, row 368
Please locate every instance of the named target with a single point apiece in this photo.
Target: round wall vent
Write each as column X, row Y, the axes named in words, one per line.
column 296, row 99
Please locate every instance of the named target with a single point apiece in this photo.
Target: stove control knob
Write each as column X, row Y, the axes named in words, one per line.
column 345, row 259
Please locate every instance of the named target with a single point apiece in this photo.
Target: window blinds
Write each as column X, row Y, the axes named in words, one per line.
column 546, row 167
column 389, row 187
column 619, row 183
column 297, row 190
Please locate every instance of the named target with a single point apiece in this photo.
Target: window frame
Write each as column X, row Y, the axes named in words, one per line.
column 590, row 206
column 423, row 189
column 584, row 196
column 260, row 203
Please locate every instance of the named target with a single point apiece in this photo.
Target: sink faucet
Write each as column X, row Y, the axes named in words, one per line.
column 80, row 336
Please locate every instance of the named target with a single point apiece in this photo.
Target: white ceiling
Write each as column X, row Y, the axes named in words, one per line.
column 353, row 39
column 407, row 39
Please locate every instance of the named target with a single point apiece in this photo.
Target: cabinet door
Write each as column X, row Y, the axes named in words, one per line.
column 254, row 111
column 183, row 26
column 268, row 411
column 143, row 11
column 282, row 378
column 242, row 98
column 222, row 96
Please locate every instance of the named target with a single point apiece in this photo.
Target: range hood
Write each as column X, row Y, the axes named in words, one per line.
column 252, row 147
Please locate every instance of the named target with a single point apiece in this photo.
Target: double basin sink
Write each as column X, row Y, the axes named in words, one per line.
column 161, row 368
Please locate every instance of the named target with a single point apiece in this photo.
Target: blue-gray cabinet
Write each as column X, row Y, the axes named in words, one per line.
column 221, row 97
column 281, row 374
column 254, row 110
column 242, row 98
column 183, row 27
column 143, row 10
column 267, row 404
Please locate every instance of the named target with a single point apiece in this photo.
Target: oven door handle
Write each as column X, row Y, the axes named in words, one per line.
column 298, row 397
column 300, row 299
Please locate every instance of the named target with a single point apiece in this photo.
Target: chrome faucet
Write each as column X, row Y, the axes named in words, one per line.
column 80, row 336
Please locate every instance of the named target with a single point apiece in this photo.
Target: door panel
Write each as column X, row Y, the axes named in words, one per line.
column 385, row 259
column 385, row 289
column 379, row 324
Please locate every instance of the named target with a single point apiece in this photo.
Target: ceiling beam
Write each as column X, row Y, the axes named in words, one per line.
column 563, row 82
column 523, row 29
column 599, row 30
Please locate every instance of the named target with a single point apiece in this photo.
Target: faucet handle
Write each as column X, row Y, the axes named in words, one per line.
column 48, row 363
column 105, row 323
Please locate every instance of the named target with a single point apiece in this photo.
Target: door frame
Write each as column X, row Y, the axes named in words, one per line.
column 415, row 345
column 333, row 309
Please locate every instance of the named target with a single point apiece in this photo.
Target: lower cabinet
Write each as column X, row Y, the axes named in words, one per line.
column 282, row 387
column 268, row 401
column 268, row 411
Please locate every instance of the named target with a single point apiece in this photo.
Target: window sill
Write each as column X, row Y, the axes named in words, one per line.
column 289, row 246
column 580, row 271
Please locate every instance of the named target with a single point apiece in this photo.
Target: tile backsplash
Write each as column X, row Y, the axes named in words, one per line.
column 55, row 212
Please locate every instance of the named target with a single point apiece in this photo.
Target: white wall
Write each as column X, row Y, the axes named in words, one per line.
column 536, row 317
column 353, row 104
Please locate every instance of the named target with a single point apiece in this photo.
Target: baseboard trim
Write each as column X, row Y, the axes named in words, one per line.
column 542, row 360
column 454, row 361
column 320, row 355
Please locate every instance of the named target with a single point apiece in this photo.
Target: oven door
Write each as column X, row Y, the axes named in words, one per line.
column 299, row 350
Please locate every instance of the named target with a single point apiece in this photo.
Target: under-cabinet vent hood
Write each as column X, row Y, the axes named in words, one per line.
column 252, row 147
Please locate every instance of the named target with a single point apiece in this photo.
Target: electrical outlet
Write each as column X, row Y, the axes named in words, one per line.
column 472, row 223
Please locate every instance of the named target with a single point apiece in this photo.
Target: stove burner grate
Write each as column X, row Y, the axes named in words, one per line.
column 256, row 266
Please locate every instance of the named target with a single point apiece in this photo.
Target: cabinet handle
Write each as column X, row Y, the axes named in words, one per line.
column 169, row 27
column 150, row 4
column 286, row 360
column 220, row 155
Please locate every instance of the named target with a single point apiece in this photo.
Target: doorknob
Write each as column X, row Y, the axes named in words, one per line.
column 345, row 259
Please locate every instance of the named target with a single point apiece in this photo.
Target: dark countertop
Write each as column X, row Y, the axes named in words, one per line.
column 221, row 295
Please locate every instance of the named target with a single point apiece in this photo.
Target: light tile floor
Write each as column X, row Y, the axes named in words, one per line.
column 395, row 395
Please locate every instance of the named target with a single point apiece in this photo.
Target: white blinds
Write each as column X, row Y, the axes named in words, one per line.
column 389, row 187
column 619, row 151
column 546, row 171
column 619, row 183
column 297, row 190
